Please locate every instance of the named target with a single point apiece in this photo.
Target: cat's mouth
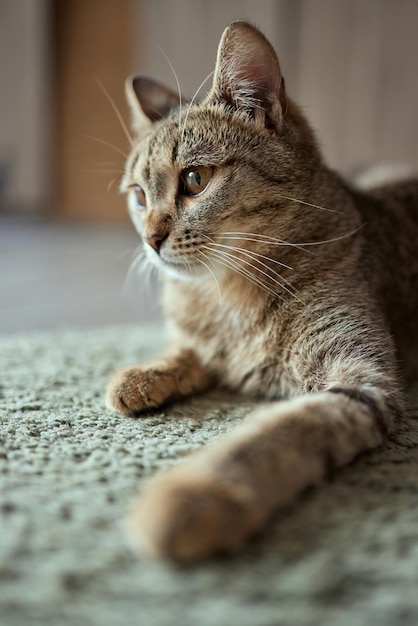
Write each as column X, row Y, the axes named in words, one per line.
column 181, row 259
column 173, row 263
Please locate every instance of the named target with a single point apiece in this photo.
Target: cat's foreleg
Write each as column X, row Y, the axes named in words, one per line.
column 138, row 388
column 220, row 497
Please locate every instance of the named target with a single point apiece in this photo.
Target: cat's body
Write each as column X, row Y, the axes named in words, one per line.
column 280, row 282
column 235, row 340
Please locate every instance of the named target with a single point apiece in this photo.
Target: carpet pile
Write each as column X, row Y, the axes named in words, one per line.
column 345, row 554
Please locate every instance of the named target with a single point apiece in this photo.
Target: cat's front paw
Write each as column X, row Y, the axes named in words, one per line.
column 134, row 389
column 191, row 516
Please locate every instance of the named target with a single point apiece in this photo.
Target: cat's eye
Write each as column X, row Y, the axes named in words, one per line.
column 141, row 201
column 196, row 179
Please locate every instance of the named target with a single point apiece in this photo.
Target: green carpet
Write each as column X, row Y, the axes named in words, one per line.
column 344, row 554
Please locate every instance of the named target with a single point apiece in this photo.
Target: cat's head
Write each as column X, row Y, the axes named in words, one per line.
column 203, row 172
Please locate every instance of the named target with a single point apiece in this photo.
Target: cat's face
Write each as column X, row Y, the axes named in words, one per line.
column 214, row 172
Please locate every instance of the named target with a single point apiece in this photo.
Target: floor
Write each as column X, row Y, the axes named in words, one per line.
column 56, row 275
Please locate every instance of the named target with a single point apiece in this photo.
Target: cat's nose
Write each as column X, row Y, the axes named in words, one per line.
column 156, row 240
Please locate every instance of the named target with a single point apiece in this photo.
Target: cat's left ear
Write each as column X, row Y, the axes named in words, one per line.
column 149, row 101
column 248, row 76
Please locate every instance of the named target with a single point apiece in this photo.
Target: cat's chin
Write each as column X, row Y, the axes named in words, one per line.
column 188, row 272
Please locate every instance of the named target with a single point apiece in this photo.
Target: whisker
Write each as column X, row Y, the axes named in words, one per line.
column 192, row 102
column 231, row 262
column 138, row 259
column 132, row 251
column 213, row 274
column 188, row 264
column 107, row 144
column 304, row 202
column 235, row 267
column 254, row 254
column 339, row 238
column 110, row 185
column 262, row 239
column 93, row 171
column 105, row 163
column 278, row 282
column 175, row 77
column 281, row 242
column 116, row 110
column 150, row 271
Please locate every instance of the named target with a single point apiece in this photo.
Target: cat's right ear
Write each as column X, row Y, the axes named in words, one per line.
column 149, row 101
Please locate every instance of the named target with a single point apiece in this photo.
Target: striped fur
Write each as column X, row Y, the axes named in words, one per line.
column 281, row 282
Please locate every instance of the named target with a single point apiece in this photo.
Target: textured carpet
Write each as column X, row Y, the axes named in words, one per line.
column 344, row 554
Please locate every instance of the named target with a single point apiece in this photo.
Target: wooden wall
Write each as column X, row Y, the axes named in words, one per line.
column 94, row 42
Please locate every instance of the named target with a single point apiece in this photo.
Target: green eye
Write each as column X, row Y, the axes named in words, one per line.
column 196, row 179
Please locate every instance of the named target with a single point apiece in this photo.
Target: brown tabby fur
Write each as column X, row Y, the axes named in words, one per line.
column 311, row 327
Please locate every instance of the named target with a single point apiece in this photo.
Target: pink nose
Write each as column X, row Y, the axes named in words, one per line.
column 155, row 241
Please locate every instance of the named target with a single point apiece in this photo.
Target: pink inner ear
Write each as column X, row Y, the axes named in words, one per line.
column 156, row 100
column 248, row 72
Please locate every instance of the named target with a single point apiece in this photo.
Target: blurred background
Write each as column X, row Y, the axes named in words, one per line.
column 66, row 243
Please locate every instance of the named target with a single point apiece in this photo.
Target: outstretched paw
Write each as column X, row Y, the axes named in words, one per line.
column 187, row 516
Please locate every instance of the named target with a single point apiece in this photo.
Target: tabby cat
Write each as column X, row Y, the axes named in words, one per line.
column 281, row 282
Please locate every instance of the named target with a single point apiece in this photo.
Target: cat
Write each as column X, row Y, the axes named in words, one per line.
column 281, row 282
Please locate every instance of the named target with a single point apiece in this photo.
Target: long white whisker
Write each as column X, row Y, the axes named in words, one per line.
column 175, row 77
column 254, row 254
column 270, row 243
column 106, row 143
column 237, row 232
column 280, row 242
column 339, row 238
column 110, row 185
column 93, row 171
column 258, row 238
column 213, row 274
column 192, row 102
column 315, row 206
column 117, row 112
column 278, row 282
column 238, row 269
column 232, row 263
column 151, row 270
column 133, row 267
column 188, row 264
column 132, row 251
